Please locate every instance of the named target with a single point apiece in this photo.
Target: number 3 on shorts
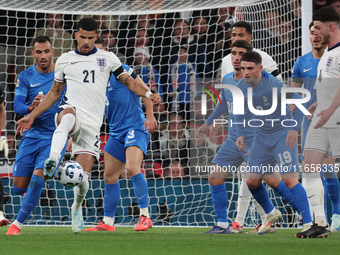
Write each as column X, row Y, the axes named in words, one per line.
column 131, row 134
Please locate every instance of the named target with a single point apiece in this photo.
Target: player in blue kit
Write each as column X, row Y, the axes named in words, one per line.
column 32, row 85
column 228, row 156
column 305, row 72
column 273, row 142
column 126, row 147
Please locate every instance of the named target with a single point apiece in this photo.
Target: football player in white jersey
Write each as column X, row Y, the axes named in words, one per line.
column 85, row 71
column 324, row 132
column 242, row 30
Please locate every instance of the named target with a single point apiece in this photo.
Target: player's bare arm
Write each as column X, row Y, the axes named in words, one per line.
column 150, row 122
column 326, row 114
column 52, row 96
column 138, row 87
column 35, row 103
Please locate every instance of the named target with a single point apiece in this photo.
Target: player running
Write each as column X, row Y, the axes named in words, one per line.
column 32, row 85
column 272, row 142
column 86, row 71
column 305, row 72
column 324, row 131
column 126, row 148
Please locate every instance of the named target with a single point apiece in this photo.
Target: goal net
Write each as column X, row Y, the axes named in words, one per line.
column 182, row 44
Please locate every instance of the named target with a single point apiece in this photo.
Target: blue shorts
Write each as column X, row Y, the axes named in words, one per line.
column 116, row 145
column 31, row 155
column 229, row 154
column 266, row 151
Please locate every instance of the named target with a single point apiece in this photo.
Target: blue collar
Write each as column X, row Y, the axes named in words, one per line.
column 94, row 50
column 336, row 45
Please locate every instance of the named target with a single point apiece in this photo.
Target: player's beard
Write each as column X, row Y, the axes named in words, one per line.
column 237, row 69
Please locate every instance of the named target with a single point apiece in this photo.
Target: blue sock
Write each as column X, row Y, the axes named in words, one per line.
column 31, row 199
column 332, row 183
column 220, row 201
column 140, row 187
column 283, row 190
column 301, row 201
column 261, row 195
column 19, row 191
column 325, row 197
column 111, row 199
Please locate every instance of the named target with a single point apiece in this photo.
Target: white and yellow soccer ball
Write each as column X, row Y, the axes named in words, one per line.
column 70, row 173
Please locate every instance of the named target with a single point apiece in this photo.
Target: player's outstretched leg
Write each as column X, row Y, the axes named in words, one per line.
column 111, row 201
column 59, row 139
column 29, row 202
column 140, row 188
column 3, row 220
column 80, row 192
column 332, row 183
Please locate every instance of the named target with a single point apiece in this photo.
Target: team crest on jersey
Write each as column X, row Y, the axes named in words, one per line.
column 102, row 63
column 17, row 83
column 265, row 99
column 329, row 62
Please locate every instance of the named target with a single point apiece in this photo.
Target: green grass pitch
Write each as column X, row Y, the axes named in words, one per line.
column 125, row 241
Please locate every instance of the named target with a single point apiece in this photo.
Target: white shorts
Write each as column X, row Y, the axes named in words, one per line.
column 86, row 136
column 324, row 140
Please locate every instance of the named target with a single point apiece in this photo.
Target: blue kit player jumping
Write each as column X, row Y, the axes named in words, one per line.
column 32, row 85
column 273, row 142
column 126, row 147
column 305, row 72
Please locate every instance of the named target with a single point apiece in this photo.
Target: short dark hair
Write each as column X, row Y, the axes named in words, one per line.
column 326, row 14
column 252, row 56
column 41, row 39
column 99, row 41
column 244, row 24
column 312, row 24
column 87, row 24
column 242, row 44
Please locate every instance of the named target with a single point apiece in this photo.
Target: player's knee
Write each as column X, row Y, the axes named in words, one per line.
column 19, row 191
column 111, row 177
column 252, row 183
column 132, row 170
column 272, row 182
column 216, row 181
column 290, row 182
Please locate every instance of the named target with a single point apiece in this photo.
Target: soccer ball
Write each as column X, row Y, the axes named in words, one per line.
column 70, row 173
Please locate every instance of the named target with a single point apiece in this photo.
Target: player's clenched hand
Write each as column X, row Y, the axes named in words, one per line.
column 324, row 117
column 4, row 145
column 150, row 123
column 292, row 139
column 311, row 109
column 156, row 99
column 213, row 131
column 24, row 123
column 35, row 102
column 202, row 130
column 240, row 143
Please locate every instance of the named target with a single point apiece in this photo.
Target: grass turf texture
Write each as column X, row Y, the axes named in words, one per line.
column 61, row 240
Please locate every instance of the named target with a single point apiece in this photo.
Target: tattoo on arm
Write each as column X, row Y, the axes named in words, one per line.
column 57, row 87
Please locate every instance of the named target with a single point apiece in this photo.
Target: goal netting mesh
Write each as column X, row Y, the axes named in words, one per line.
column 183, row 42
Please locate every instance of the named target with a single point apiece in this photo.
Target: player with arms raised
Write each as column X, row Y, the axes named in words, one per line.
column 126, row 147
column 86, row 72
column 305, row 72
column 324, row 131
column 272, row 142
column 32, row 85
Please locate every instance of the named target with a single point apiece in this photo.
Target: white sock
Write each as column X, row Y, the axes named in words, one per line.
column 272, row 212
column 80, row 191
column 60, row 135
column 18, row 224
column 144, row 212
column 260, row 210
column 109, row 220
column 315, row 193
column 306, row 226
column 1, row 214
column 223, row 224
column 243, row 200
